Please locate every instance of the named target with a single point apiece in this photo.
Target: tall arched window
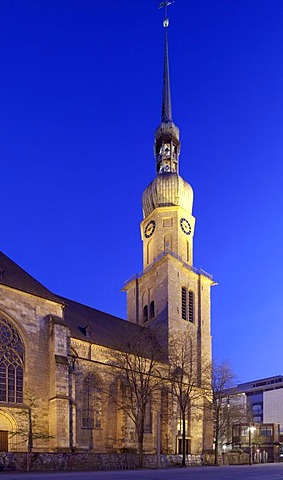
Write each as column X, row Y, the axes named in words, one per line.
column 151, row 309
column 188, row 252
column 184, row 303
column 148, row 417
column 191, row 306
column 145, row 313
column 148, row 252
column 11, row 363
column 92, row 402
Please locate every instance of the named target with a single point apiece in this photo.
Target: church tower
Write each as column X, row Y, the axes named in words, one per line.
column 170, row 292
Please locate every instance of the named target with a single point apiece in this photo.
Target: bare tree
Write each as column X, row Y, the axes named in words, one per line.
column 140, row 374
column 189, row 382
column 227, row 410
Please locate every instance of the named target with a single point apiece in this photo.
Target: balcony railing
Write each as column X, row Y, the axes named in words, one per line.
column 199, row 271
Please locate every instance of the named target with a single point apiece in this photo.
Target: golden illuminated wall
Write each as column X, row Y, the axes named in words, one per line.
column 43, row 380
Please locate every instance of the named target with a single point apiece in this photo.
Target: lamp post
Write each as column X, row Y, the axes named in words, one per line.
column 251, row 430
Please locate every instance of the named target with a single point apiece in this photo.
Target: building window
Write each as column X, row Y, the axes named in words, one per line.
column 266, row 431
column 184, row 303
column 151, row 310
column 236, row 431
column 257, row 408
column 92, row 403
column 145, row 313
column 11, row 364
column 191, row 306
column 187, row 446
column 148, row 418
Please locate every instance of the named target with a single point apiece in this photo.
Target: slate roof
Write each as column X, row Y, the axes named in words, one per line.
column 101, row 328
column 15, row 277
column 85, row 323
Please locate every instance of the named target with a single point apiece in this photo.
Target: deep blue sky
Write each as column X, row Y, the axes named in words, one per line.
column 80, row 93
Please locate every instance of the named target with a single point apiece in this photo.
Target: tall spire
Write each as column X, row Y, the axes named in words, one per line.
column 167, row 143
column 166, row 96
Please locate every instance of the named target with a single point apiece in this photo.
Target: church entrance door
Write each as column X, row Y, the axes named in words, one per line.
column 3, row 441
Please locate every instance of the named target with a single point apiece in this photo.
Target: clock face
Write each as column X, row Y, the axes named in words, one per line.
column 149, row 229
column 185, row 226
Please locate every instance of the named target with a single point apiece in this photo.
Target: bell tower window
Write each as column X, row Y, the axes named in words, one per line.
column 191, row 306
column 188, row 305
column 167, row 155
column 184, row 303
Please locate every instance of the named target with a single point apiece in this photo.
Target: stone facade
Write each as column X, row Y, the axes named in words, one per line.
column 70, row 379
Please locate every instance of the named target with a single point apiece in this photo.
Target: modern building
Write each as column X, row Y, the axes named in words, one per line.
column 256, row 419
column 260, row 440
column 58, row 358
column 264, row 398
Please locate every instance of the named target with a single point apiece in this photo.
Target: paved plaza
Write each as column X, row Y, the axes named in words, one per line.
column 241, row 472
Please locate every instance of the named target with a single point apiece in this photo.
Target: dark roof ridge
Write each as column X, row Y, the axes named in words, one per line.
column 14, row 276
column 66, row 300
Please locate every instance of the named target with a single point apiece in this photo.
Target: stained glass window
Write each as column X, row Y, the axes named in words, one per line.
column 11, row 363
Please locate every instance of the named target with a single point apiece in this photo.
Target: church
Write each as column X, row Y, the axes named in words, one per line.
column 59, row 359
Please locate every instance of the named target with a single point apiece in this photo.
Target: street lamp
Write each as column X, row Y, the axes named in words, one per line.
column 251, row 430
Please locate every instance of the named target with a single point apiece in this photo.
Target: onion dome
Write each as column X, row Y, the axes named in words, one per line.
column 167, row 190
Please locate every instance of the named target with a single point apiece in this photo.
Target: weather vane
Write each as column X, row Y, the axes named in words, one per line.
column 165, row 5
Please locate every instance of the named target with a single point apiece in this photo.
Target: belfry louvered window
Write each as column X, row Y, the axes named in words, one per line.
column 11, row 364
column 191, row 305
column 184, row 303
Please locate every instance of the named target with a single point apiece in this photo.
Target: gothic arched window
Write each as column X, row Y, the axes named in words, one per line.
column 191, row 306
column 184, row 303
column 148, row 417
column 11, row 364
column 92, row 402
column 145, row 313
